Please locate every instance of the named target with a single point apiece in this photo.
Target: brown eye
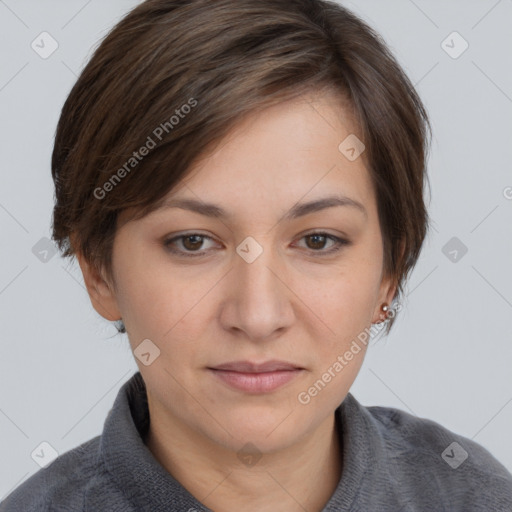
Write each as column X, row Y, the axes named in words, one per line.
column 191, row 244
column 317, row 243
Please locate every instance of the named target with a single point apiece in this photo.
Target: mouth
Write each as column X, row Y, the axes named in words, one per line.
column 256, row 378
column 252, row 367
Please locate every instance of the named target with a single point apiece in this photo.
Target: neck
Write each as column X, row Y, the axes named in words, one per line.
column 301, row 477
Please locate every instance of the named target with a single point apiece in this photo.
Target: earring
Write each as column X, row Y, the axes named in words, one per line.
column 119, row 324
column 384, row 315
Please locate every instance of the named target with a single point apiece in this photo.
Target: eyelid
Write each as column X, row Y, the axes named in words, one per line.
column 339, row 241
column 168, row 240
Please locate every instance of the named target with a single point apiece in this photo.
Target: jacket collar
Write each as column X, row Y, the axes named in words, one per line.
column 146, row 483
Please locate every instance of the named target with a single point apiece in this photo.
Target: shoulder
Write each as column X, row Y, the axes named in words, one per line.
column 461, row 472
column 63, row 485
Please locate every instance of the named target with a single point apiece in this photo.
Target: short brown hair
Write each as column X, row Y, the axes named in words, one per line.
column 224, row 59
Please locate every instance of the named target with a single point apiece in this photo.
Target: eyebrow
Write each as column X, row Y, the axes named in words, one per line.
column 298, row 210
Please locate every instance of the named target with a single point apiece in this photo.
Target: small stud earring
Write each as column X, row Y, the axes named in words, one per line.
column 385, row 309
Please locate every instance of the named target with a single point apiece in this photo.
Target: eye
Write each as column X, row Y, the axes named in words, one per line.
column 319, row 239
column 192, row 243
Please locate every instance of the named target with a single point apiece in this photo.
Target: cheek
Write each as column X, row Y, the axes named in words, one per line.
column 345, row 305
column 345, row 298
column 162, row 302
column 143, row 294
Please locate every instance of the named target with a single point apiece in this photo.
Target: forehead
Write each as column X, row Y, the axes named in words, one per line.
column 281, row 155
column 287, row 151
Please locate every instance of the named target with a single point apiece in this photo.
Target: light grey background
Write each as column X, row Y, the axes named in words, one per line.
column 449, row 357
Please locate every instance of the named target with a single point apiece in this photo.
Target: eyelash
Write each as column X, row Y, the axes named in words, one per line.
column 341, row 242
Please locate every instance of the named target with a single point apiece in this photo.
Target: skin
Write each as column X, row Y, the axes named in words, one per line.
column 291, row 303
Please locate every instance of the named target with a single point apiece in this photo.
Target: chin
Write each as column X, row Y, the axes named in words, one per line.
column 268, row 430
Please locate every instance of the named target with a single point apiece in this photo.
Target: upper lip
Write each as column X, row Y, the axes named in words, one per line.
column 250, row 367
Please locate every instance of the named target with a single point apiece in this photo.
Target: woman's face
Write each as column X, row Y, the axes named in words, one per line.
column 254, row 284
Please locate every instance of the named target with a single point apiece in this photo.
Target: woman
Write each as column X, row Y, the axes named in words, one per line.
column 242, row 184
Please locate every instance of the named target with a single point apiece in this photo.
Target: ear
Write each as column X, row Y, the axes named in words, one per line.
column 386, row 294
column 387, row 291
column 101, row 293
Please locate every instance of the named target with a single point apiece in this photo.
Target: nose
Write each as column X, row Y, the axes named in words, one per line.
column 259, row 301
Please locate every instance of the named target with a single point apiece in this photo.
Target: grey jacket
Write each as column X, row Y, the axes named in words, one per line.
column 392, row 462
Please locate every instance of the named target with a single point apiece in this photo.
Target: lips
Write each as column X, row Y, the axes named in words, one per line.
column 250, row 367
column 256, row 378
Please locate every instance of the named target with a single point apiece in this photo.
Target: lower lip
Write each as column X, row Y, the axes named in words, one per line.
column 256, row 382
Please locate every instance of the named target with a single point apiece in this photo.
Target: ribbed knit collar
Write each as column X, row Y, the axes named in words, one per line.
column 151, row 488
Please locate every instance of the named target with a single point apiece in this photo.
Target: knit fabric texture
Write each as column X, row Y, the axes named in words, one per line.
column 393, row 461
